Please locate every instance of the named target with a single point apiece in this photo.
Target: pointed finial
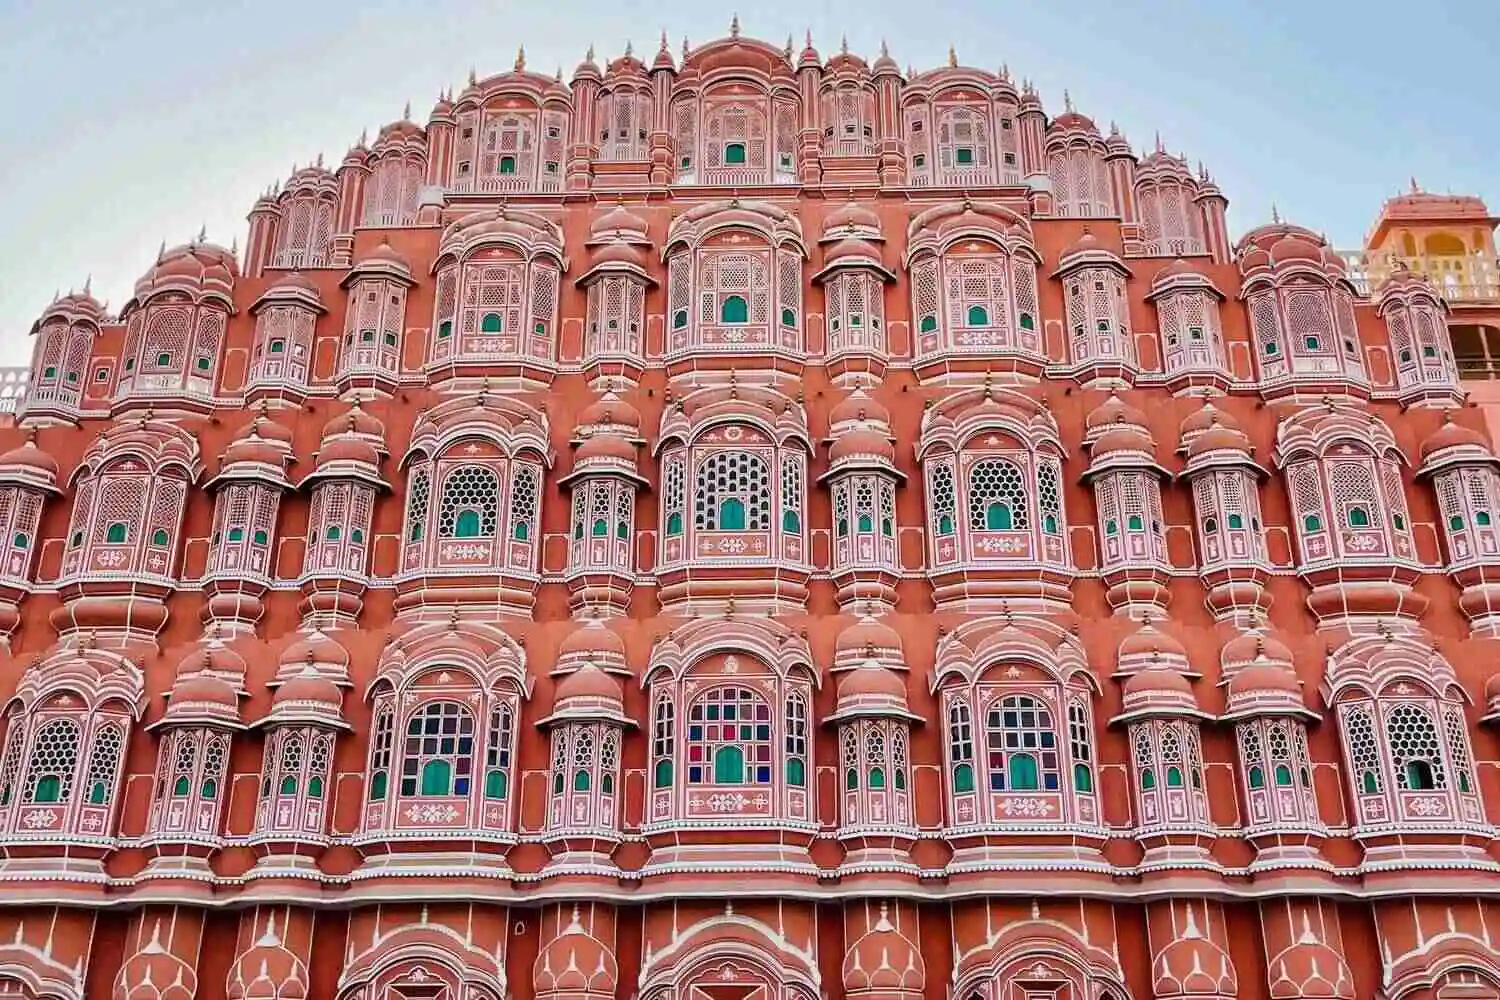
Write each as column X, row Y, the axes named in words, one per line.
column 88, row 284
column 1067, row 101
column 734, row 26
column 203, row 233
column 1414, row 188
column 685, row 49
column 520, row 58
column 787, row 52
column 558, row 75
column 364, row 136
column 629, row 49
column 885, row 49
column 1275, row 213
column 1158, row 141
column 588, row 56
column 663, row 41
column 473, row 76
column 952, row 57
column 844, row 45
column 406, row 112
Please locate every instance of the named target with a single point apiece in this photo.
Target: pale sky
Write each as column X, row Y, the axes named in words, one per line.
column 139, row 122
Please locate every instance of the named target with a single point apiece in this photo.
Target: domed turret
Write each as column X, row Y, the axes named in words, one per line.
column 1149, row 648
column 868, row 640
column 1158, row 692
column 872, row 690
column 28, row 465
column 307, row 698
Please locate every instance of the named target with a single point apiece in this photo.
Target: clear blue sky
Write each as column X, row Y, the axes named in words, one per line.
column 130, row 123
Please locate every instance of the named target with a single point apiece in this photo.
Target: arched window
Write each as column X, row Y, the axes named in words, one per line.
column 1416, row 753
column 997, row 496
column 796, row 741
column 507, row 164
column 470, row 504
column 492, row 323
column 116, row 534
column 734, row 154
column 978, row 316
column 663, row 743
column 523, row 502
column 961, row 746
column 733, row 493
column 497, row 753
column 729, row 738
column 1081, row 741
column 734, row 310
column 439, row 753
column 1359, row 517
column 927, row 324
column 1022, row 746
column 54, row 759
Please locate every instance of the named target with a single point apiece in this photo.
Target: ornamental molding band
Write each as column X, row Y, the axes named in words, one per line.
column 740, row 524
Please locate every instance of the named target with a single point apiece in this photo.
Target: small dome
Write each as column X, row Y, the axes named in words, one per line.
column 310, row 687
column 1295, row 248
column 610, row 410
column 588, row 683
column 605, row 446
column 1264, row 677
column 851, row 248
column 356, row 420
column 1122, row 440
column 1086, row 243
column 860, row 443
column 1206, row 416
column 347, row 449
column 850, row 216
column 315, row 648
column 1178, row 268
column 858, row 407
column 872, row 689
column 28, row 458
column 884, row 962
column 1111, row 412
column 1254, row 647
column 1151, row 642
column 1218, row 439
column 617, row 254
column 204, row 689
column 385, row 254
column 868, row 639
column 1492, row 698
column 1072, row 120
column 592, row 642
column 1156, row 681
column 1452, row 435
column 263, row 426
column 619, row 221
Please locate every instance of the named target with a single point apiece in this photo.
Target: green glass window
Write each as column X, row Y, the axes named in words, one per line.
column 1369, row 783
column 790, row 522
column 1283, row 776
column 581, row 781
column 159, row 536
column 315, row 787
column 507, row 164
column 48, row 788
column 1148, row 779
column 1256, row 777
column 522, row 532
column 1174, row 777
column 1027, row 323
column 1312, row 522
column 679, row 319
column 600, row 528
column 788, row 317
column 278, row 347
column 1134, row 523
column 674, row 523
column 261, row 538
column 963, row 778
column 1235, row 521
column 437, row 777
column 1083, row 778
column 181, row 786
column 98, row 793
column 997, row 517
column 851, row 779
column 877, row 778
column 377, row 786
column 1419, row 775
column 729, row 765
column 467, row 525
column 21, row 540
column 963, row 156
column 731, row 515
column 796, row 772
column 979, row 316
column 163, row 360
column 1359, row 517
column 662, row 775
column 928, row 324
column 115, row 535
column 1021, row 772
column 945, row 524
column 734, row 310
column 492, row 323
column 445, row 329
column 236, row 534
column 734, row 153
column 289, row 785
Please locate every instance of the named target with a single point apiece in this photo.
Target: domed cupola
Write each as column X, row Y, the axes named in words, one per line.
column 1127, row 492
column 307, row 698
column 1301, row 304
column 1190, row 331
column 1266, row 704
column 1101, row 344
column 281, row 362
column 314, row 649
column 344, row 482
column 248, row 490
column 1465, row 475
column 876, row 821
column 1416, row 318
column 854, row 277
column 190, row 288
column 1162, row 720
column 862, row 478
column 374, row 321
column 586, row 727
column 593, row 642
column 868, row 640
column 615, row 283
column 60, row 355
column 604, row 484
column 883, row 963
column 1076, row 167
column 1225, row 481
column 1150, row 648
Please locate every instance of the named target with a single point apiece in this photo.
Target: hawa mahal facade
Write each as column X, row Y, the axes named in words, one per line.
column 753, row 526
